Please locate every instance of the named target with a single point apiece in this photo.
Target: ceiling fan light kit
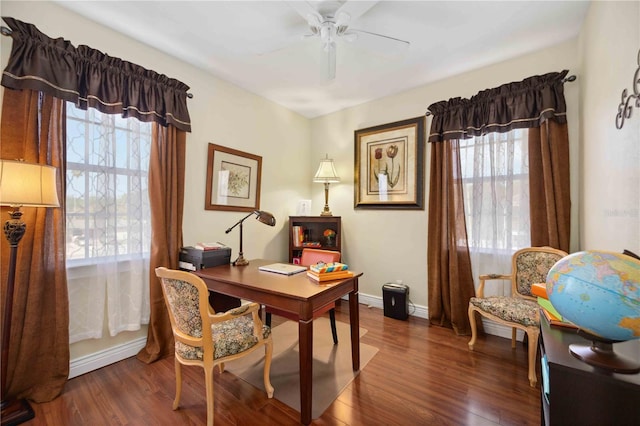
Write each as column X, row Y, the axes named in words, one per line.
column 330, row 23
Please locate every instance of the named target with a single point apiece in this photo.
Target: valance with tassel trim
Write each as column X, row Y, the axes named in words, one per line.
column 524, row 104
column 90, row 78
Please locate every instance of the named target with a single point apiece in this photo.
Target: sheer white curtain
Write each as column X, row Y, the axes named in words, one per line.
column 495, row 171
column 108, row 223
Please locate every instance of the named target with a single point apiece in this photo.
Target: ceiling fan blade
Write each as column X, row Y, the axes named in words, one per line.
column 398, row 43
column 352, row 10
column 307, row 11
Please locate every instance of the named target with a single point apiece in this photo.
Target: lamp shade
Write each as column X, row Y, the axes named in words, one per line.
column 27, row 184
column 326, row 172
column 265, row 217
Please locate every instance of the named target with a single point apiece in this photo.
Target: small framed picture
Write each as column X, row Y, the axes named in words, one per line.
column 389, row 165
column 233, row 180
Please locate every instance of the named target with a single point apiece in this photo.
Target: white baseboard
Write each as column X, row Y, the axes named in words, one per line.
column 102, row 358
column 376, row 302
column 419, row 311
column 87, row 363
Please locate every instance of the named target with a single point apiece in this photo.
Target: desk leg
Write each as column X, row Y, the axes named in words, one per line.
column 354, row 317
column 305, row 335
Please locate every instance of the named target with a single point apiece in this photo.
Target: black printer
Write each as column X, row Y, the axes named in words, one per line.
column 193, row 259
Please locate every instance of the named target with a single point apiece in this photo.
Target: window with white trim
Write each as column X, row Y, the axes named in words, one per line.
column 107, row 222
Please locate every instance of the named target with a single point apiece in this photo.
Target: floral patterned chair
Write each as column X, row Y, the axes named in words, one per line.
column 520, row 310
column 233, row 334
column 310, row 257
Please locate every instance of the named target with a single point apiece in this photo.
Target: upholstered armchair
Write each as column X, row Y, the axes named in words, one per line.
column 207, row 339
column 520, row 310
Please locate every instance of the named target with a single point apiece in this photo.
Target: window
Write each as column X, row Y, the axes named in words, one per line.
column 107, row 196
column 107, row 222
column 495, row 173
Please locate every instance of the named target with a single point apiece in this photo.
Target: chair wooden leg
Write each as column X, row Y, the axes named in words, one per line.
column 472, row 322
column 267, row 319
column 334, row 331
column 268, row 352
column 533, row 334
column 513, row 337
column 178, row 371
column 209, row 392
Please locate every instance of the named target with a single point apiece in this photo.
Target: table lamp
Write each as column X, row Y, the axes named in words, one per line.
column 326, row 174
column 29, row 185
column 262, row 216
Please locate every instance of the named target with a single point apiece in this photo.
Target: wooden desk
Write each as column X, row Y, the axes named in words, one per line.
column 297, row 294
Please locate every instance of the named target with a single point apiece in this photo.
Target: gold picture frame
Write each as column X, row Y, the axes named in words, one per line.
column 233, row 180
column 389, row 165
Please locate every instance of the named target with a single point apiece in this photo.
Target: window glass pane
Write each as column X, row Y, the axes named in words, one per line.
column 495, row 173
column 107, row 197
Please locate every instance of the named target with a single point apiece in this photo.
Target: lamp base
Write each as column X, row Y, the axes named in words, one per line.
column 240, row 261
column 326, row 213
column 16, row 411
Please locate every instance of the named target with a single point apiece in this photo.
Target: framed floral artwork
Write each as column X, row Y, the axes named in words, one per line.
column 233, row 180
column 389, row 165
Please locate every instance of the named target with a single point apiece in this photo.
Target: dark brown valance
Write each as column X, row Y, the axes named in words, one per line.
column 90, row 78
column 524, row 104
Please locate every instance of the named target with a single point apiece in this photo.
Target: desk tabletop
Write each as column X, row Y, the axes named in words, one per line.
column 297, row 286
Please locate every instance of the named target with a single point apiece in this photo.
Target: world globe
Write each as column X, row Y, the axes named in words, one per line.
column 599, row 292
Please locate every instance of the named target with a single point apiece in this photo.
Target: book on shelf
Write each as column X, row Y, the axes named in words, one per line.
column 297, row 235
column 315, row 244
column 329, row 276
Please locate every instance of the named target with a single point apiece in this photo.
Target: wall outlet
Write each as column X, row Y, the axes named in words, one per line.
column 398, row 281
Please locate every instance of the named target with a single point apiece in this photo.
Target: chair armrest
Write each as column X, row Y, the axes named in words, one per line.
column 495, row 277
column 489, row 277
column 250, row 308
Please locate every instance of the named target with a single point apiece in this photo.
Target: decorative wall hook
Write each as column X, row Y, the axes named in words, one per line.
column 625, row 107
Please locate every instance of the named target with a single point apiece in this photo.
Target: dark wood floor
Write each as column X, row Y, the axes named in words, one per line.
column 421, row 375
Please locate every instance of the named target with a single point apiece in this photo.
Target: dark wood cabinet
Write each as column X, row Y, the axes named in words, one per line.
column 312, row 229
column 579, row 394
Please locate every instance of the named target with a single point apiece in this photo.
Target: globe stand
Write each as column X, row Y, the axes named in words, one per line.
column 601, row 354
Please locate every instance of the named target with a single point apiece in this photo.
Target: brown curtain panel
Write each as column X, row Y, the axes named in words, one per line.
column 90, row 78
column 450, row 279
column 549, row 190
column 536, row 103
column 166, row 198
column 33, row 129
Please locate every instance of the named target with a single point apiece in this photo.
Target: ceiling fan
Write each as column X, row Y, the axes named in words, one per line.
column 329, row 22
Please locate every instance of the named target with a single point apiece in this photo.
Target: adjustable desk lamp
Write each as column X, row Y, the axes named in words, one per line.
column 262, row 216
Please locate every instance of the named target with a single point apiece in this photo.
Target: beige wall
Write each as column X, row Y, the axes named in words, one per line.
column 390, row 245
column 610, row 175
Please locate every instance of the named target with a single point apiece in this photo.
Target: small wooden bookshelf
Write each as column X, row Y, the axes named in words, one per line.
column 311, row 229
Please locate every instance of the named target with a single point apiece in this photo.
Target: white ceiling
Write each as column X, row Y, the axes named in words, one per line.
column 258, row 46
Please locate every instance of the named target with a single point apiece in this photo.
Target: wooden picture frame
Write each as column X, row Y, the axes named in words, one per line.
column 389, row 166
column 233, row 180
